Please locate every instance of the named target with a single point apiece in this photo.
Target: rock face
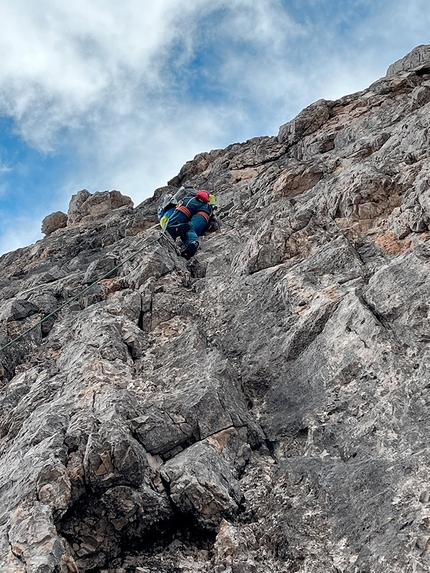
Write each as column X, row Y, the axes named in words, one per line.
column 417, row 60
column 263, row 407
column 85, row 207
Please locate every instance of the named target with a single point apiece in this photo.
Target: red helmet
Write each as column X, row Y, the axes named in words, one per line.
column 203, row 196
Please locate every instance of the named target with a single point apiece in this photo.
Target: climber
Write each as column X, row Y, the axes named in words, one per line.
column 167, row 207
column 188, row 220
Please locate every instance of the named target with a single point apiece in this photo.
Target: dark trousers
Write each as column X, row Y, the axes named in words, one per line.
column 188, row 231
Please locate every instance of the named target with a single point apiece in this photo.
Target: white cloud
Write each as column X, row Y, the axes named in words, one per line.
column 66, row 63
column 59, row 60
column 76, row 65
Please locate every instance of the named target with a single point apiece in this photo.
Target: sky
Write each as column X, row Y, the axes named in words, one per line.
column 102, row 94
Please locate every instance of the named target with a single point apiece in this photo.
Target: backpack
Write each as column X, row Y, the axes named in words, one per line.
column 170, row 202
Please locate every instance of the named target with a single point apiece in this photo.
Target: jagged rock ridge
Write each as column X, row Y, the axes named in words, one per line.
column 263, row 407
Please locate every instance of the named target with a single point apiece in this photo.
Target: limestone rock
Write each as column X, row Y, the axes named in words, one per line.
column 53, row 222
column 201, row 484
column 74, row 212
column 418, row 59
column 99, row 268
column 261, row 407
column 85, row 205
column 17, row 309
column 308, row 121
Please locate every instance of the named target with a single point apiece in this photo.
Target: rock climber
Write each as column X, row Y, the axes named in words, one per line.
column 188, row 220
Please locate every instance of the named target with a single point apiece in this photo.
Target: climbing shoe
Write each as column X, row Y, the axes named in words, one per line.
column 190, row 250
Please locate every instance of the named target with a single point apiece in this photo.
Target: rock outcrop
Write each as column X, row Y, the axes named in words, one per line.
column 85, row 207
column 263, row 407
column 53, row 222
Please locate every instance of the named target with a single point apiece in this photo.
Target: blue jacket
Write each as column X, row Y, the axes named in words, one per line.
column 188, row 208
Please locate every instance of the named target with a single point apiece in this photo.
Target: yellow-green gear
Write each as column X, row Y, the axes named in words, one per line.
column 163, row 221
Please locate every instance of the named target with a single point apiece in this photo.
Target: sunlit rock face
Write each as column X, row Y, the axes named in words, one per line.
column 262, row 407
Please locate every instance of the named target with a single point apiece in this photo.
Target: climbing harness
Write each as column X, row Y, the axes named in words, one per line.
column 86, row 289
column 172, row 203
column 205, row 215
column 184, row 209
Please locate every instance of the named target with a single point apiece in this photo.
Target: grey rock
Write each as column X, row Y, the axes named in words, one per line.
column 99, row 268
column 33, row 539
column 202, row 485
column 103, row 202
column 159, row 431
column 308, row 121
column 113, row 458
column 417, row 59
column 54, row 273
column 75, row 205
column 87, row 206
column 17, row 309
column 262, row 407
column 53, row 222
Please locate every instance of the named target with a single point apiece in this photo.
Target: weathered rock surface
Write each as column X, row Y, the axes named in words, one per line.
column 54, row 221
column 418, row 59
column 263, row 407
column 85, row 206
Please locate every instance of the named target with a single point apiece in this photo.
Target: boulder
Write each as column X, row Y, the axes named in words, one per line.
column 53, row 222
column 203, row 486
